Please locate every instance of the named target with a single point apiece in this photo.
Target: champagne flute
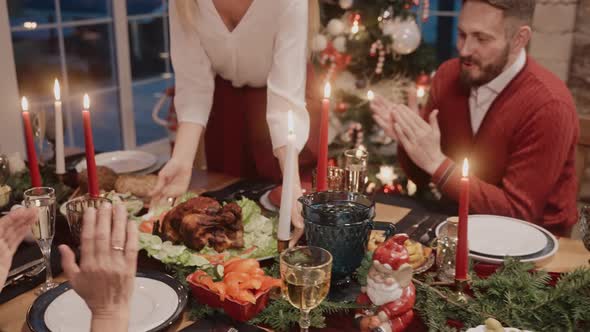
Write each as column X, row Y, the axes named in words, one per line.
column 43, row 198
column 306, row 273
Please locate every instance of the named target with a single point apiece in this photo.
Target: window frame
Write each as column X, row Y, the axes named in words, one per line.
column 120, row 57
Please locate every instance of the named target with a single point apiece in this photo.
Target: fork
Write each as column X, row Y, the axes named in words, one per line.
column 27, row 275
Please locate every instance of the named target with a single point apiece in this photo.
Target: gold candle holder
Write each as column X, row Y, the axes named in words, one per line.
column 355, row 168
column 336, row 179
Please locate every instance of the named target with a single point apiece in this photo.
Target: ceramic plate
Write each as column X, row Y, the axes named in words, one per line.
column 122, row 162
column 532, row 254
column 158, row 300
column 266, row 203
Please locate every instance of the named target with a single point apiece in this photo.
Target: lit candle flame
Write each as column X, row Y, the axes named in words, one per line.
column 465, row 168
column 86, row 102
column 355, row 27
column 420, row 92
column 290, row 122
column 56, row 90
column 370, row 95
column 24, row 103
column 327, row 90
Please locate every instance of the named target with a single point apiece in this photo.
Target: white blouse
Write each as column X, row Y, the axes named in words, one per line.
column 267, row 47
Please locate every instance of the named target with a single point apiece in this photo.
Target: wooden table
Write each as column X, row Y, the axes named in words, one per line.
column 571, row 254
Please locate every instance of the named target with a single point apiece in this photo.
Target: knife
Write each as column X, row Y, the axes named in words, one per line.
column 25, row 267
column 412, row 228
column 425, row 228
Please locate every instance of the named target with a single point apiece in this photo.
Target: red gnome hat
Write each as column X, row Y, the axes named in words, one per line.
column 392, row 253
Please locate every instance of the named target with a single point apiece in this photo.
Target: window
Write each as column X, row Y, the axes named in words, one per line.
column 79, row 43
column 440, row 30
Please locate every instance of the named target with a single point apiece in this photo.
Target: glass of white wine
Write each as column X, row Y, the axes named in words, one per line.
column 306, row 273
column 43, row 198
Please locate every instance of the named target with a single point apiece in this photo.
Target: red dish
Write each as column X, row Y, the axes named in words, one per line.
column 275, row 195
column 240, row 311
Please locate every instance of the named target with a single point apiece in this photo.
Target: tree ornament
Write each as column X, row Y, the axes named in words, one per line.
column 335, row 27
column 407, row 38
column 345, row 4
column 361, row 83
column 340, row 44
column 319, row 43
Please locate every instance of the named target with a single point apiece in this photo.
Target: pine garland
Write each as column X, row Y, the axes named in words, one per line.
column 516, row 296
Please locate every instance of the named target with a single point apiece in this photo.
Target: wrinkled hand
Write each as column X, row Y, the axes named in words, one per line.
column 173, row 181
column 383, row 115
column 13, row 228
column 105, row 276
column 296, row 218
column 420, row 139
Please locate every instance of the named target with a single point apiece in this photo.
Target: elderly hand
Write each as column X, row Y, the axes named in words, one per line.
column 383, row 115
column 420, row 139
column 105, row 276
column 13, row 228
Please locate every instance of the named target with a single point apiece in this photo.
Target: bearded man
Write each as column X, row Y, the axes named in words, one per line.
column 513, row 119
column 389, row 289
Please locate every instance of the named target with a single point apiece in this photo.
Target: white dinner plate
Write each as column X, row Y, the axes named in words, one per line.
column 157, row 301
column 122, row 162
column 492, row 238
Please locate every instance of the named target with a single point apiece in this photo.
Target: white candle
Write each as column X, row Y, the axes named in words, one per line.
column 370, row 95
column 60, row 163
column 284, row 231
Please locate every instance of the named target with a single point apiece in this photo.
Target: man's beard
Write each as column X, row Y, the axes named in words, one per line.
column 380, row 293
column 487, row 72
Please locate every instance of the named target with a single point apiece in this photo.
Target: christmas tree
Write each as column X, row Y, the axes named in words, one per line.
column 371, row 45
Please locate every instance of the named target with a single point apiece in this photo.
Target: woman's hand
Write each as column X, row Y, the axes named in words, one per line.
column 296, row 217
column 173, row 180
column 108, row 262
column 13, row 228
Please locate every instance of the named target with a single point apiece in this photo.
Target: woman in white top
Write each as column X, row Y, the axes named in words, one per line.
column 240, row 66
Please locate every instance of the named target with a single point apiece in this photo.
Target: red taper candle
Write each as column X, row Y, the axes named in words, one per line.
column 31, row 153
column 89, row 144
column 462, row 258
column 322, row 171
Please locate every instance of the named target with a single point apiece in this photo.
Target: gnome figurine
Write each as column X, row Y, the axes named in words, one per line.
column 389, row 288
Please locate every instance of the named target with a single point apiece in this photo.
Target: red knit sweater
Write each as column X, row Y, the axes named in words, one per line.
column 522, row 159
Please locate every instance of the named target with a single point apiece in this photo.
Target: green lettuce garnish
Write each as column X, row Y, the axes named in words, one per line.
column 259, row 231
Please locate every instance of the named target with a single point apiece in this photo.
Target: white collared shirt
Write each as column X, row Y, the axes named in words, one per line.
column 267, row 48
column 482, row 98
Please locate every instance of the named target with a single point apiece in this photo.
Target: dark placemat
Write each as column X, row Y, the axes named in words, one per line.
column 423, row 218
column 252, row 189
column 28, row 253
column 219, row 323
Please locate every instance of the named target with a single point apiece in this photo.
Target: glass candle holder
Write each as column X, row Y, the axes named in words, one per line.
column 75, row 213
column 355, row 168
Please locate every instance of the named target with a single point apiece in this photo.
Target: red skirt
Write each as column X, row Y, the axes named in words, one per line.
column 237, row 138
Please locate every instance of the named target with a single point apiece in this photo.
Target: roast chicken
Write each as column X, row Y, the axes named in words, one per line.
column 202, row 221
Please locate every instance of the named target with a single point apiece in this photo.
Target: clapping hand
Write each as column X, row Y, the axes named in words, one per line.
column 420, row 139
column 383, row 115
column 108, row 262
column 13, row 228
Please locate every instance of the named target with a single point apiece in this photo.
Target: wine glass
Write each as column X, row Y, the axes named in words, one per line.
column 306, row 273
column 43, row 198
